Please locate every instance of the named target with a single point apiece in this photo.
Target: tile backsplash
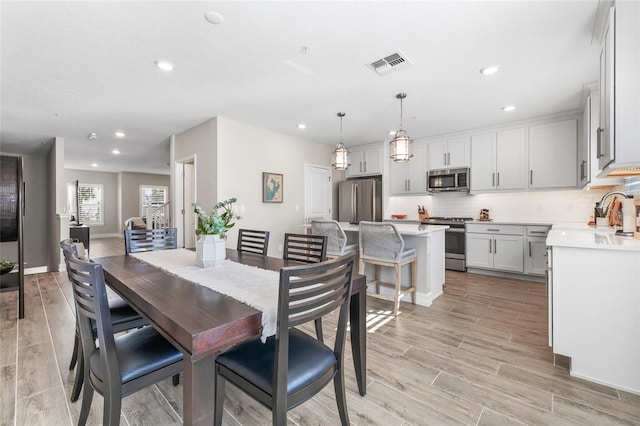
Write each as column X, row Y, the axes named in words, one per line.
column 533, row 206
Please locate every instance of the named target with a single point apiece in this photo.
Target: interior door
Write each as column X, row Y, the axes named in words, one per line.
column 189, row 197
column 318, row 196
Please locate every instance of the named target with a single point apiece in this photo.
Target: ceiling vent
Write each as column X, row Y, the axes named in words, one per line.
column 394, row 62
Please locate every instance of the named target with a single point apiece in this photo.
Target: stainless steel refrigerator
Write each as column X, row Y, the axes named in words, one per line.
column 360, row 199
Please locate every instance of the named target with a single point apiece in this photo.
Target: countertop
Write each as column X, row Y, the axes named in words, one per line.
column 403, row 228
column 580, row 235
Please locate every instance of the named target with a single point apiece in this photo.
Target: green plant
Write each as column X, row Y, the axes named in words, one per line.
column 6, row 265
column 214, row 223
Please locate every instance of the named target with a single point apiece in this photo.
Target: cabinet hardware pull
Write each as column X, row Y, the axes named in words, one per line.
column 493, row 179
column 493, row 230
column 444, row 158
column 599, row 152
column 409, row 185
column 583, row 175
column 529, row 248
column 530, row 177
column 538, row 232
column 489, row 246
column 448, row 158
column 495, row 247
column 361, row 167
column 498, row 179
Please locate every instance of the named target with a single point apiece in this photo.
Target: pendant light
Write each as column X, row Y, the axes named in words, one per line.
column 401, row 146
column 340, row 157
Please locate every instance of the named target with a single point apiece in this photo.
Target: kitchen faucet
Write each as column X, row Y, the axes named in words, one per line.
column 603, row 213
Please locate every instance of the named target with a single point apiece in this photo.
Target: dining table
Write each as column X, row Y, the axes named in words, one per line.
column 202, row 322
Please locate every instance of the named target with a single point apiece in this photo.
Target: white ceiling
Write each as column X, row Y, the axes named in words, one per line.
column 71, row 68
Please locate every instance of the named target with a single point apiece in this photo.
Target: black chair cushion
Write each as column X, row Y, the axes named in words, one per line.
column 253, row 360
column 121, row 312
column 139, row 352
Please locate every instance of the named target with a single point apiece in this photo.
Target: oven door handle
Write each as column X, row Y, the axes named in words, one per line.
column 461, row 230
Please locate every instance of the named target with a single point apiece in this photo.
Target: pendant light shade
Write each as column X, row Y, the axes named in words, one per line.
column 401, row 146
column 340, row 157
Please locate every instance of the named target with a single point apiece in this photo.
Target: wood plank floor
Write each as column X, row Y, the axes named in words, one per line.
column 477, row 356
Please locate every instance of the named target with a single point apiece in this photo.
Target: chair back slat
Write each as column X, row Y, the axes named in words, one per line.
column 141, row 240
column 312, row 289
column 305, row 248
column 253, row 241
column 380, row 240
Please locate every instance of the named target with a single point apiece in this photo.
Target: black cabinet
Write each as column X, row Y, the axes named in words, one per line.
column 80, row 233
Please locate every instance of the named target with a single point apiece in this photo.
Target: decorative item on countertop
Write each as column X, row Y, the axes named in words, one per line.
column 6, row 266
column 212, row 229
column 423, row 214
column 484, row 216
column 398, row 216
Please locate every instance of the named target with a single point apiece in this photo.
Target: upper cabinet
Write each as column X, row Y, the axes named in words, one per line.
column 498, row 160
column 618, row 144
column 410, row 177
column 366, row 160
column 552, row 154
column 449, row 153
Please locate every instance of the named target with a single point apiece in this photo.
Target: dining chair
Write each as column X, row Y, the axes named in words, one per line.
column 337, row 241
column 123, row 318
column 118, row 366
column 292, row 366
column 307, row 249
column 382, row 245
column 252, row 241
column 140, row 240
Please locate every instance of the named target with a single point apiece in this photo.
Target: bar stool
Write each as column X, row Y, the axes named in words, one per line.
column 337, row 242
column 382, row 245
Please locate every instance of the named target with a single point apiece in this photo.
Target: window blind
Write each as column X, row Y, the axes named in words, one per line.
column 90, row 200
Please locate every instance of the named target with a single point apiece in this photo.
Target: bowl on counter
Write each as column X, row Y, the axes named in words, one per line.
column 398, row 216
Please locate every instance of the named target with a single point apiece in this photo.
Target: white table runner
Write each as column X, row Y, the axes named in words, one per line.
column 252, row 286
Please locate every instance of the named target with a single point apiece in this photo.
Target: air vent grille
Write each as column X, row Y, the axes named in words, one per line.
column 394, row 62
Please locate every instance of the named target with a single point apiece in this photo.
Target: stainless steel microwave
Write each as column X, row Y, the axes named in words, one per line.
column 448, row 180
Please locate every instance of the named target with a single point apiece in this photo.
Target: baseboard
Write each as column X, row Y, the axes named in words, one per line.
column 36, row 270
column 422, row 299
column 533, row 278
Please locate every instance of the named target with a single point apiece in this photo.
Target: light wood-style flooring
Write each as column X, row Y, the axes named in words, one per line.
column 477, row 356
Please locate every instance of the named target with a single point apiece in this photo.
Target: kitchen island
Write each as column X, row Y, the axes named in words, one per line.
column 594, row 303
column 428, row 240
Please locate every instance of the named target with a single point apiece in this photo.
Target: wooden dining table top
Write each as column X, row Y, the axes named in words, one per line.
column 197, row 319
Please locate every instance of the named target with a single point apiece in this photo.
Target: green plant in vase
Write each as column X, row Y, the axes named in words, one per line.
column 215, row 223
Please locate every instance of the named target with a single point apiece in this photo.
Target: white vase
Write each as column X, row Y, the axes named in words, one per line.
column 210, row 251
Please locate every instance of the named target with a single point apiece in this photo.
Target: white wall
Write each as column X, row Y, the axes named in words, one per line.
column 230, row 159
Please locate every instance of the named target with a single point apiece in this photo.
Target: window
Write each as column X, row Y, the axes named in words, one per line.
column 151, row 198
column 90, row 199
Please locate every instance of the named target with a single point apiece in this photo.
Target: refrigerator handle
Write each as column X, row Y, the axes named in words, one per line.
column 355, row 204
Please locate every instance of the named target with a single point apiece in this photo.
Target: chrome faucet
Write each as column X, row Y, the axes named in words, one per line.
column 603, row 213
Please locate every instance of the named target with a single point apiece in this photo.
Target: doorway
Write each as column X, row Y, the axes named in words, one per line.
column 317, row 193
column 185, row 172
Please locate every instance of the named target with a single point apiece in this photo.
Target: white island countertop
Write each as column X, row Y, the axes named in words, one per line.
column 584, row 236
column 403, row 228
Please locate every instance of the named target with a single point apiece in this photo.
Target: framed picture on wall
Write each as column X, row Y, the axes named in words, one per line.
column 271, row 187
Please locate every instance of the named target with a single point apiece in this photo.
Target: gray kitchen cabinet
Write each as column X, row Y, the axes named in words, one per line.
column 366, row 160
column 410, row 177
column 553, row 154
column 498, row 160
column 535, row 259
column 495, row 247
column 617, row 144
column 449, row 153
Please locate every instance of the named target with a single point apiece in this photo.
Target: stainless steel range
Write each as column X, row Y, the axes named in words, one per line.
column 454, row 241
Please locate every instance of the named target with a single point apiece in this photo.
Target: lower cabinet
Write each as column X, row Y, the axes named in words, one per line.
column 508, row 248
column 497, row 247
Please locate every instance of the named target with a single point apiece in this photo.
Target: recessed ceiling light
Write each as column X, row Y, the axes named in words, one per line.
column 164, row 65
column 115, row 151
column 120, row 134
column 94, row 164
column 508, row 108
column 489, row 70
column 214, row 18
column 302, row 126
column 92, row 136
column 392, row 132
